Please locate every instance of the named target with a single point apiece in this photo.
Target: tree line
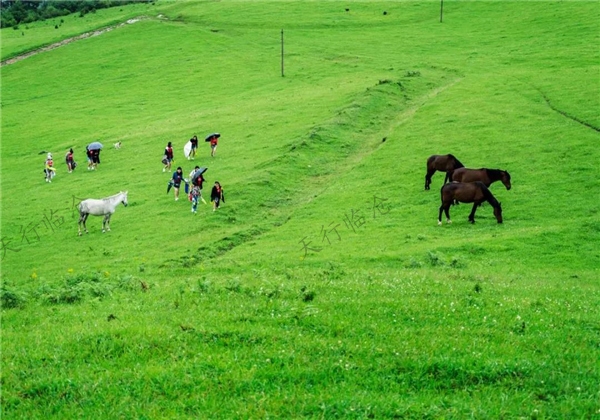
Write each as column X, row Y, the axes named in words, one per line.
column 15, row 12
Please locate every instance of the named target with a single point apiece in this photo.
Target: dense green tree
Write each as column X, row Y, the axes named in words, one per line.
column 14, row 12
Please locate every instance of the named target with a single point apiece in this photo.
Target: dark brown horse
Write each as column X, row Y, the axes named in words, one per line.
column 468, row 192
column 485, row 175
column 444, row 163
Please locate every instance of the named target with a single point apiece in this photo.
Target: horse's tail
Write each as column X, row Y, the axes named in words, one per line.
column 457, row 163
column 82, row 207
column 488, row 194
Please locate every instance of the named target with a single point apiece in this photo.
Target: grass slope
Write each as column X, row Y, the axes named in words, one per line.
column 227, row 314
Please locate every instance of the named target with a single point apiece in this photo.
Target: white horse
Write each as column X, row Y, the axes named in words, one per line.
column 103, row 207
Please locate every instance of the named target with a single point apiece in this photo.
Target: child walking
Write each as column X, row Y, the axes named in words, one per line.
column 49, row 168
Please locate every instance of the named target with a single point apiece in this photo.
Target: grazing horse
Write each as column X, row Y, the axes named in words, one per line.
column 485, row 175
column 444, row 163
column 103, row 207
column 468, row 192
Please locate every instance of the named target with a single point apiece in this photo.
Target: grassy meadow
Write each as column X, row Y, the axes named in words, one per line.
column 323, row 287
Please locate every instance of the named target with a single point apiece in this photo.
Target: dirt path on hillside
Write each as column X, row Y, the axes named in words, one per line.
column 69, row 40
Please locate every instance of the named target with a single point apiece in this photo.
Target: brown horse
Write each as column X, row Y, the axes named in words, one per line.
column 485, row 175
column 444, row 163
column 467, row 192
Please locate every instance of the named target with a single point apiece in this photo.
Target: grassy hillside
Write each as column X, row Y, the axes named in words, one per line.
column 323, row 287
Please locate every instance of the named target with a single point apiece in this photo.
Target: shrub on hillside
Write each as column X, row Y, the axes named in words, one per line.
column 11, row 298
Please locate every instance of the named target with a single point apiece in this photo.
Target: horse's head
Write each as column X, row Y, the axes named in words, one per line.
column 506, row 179
column 498, row 212
column 124, row 198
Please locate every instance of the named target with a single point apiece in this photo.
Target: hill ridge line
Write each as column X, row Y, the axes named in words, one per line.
column 566, row 114
column 223, row 245
column 401, row 118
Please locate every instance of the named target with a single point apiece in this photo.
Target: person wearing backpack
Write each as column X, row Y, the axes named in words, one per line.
column 70, row 161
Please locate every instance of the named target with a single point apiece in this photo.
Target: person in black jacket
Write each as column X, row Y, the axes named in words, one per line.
column 216, row 195
column 177, row 180
column 194, row 141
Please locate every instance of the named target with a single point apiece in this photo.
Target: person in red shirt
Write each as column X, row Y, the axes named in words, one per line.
column 168, row 158
column 213, row 145
column 70, row 160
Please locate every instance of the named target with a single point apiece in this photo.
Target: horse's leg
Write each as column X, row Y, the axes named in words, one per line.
column 79, row 223
column 85, row 217
column 104, row 223
column 448, row 177
column 472, row 215
column 428, row 176
column 108, row 222
column 445, row 207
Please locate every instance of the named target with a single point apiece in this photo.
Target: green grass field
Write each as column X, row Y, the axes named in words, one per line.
column 323, row 288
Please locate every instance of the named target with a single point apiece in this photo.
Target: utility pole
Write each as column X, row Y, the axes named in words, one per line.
column 282, row 53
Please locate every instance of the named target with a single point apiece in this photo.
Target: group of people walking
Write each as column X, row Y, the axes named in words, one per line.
column 93, row 156
column 50, row 170
column 212, row 138
column 196, row 178
column 195, row 181
column 168, row 153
